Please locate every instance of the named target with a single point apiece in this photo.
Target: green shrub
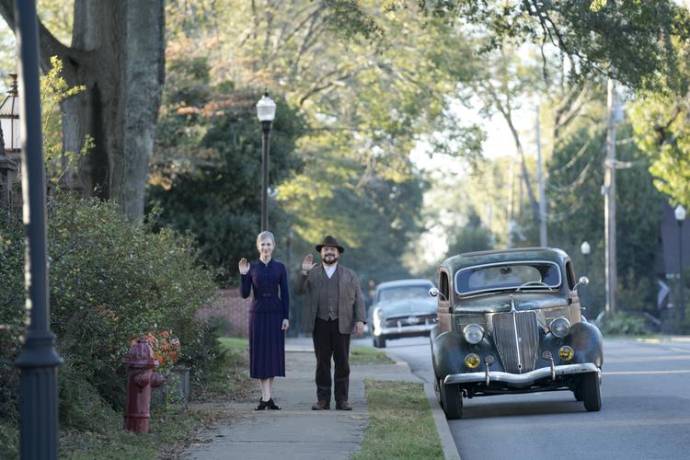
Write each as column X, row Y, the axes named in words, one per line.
column 622, row 323
column 11, row 315
column 110, row 280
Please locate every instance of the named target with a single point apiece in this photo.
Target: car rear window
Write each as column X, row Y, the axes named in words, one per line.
column 404, row 292
column 501, row 276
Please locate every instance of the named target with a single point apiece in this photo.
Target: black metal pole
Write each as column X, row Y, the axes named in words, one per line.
column 265, row 140
column 586, row 257
column 681, row 298
column 38, row 359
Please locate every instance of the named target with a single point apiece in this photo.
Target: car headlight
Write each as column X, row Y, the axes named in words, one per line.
column 377, row 318
column 473, row 333
column 560, row 327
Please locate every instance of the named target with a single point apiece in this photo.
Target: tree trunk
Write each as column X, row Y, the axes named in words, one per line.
column 117, row 54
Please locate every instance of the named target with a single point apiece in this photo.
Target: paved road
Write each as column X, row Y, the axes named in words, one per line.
column 645, row 412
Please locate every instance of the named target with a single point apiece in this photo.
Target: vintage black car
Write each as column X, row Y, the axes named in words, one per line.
column 510, row 322
column 402, row 308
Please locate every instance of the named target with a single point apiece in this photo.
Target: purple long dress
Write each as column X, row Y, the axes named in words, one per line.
column 271, row 305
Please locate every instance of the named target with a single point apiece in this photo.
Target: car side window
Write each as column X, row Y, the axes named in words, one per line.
column 570, row 274
column 444, row 286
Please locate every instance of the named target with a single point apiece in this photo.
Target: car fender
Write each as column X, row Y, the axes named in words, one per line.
column 588, row 343
column 446, row 352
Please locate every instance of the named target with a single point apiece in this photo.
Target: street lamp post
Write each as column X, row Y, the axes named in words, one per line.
column 586, row 249
column 680, row 215
column 265, row 111
column 38, row 359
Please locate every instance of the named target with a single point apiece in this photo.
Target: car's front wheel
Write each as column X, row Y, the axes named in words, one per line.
column 379, row 342
column 451, row 401
column 590, row 391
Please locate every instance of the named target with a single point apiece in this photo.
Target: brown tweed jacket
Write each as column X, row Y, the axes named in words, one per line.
column 350, row 298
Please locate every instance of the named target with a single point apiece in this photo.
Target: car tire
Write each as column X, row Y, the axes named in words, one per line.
column 591, row 392
column 379, row 342
column 451, row 401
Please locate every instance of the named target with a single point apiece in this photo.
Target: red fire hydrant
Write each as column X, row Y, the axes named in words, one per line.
column 140, row 379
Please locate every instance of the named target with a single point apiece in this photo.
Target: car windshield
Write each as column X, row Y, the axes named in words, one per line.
column 492, row 277
column 404, row 292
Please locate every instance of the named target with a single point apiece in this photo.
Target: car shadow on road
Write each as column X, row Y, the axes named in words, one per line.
column 488, row 409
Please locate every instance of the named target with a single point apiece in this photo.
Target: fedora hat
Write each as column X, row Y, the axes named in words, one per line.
column 330, row 242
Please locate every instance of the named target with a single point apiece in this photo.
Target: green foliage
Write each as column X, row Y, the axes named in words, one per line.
column 12, row 315
column 576, row 211
column 661, row 128
column 54, row 91
column 628, row 39
column 623, row 323
column 207, row 176
column 110, row 280
column 470, row 237
column 362, row 116
column 98, row 305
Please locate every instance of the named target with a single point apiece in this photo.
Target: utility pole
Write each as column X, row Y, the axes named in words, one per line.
column 543, row 240
column 609, row 191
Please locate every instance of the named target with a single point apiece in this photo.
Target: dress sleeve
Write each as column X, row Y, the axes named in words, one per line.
column 246, row 285
column 284, row 293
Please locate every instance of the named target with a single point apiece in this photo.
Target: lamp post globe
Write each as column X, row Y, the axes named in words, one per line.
column 265, row 112
column 680, row 213
column 266, row 108
column 585, row 248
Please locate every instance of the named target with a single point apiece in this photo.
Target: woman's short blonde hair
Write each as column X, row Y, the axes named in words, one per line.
column 265, row 235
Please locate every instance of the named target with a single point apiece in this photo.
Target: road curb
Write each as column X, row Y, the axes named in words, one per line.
column 450, row 449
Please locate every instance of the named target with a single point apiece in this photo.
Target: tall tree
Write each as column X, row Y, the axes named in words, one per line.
column 117, row 55
column 628, row 40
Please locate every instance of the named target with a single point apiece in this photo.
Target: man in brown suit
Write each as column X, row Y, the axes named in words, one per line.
column 334, row 306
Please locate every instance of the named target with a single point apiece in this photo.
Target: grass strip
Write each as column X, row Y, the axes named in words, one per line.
column 400, row 423
column 172, row 426
column 234, row 344
column 368, row 355
column 171, row 429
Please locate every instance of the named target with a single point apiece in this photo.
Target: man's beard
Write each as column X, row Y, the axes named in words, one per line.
column 330, row 259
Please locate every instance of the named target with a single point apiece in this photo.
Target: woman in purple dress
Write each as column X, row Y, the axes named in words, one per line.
column 268, row 316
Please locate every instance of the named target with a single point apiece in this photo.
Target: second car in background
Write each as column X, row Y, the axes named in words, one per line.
column 402, row 308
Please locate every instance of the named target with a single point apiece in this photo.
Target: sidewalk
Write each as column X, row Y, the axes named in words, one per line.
column 296, row 432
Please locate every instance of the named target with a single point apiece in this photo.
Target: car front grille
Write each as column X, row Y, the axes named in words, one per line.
column 410, row 320
column 516, row 336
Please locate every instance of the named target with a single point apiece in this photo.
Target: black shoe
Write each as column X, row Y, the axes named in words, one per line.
column 321, row 405
column 271, row 405
column 342, row 405
column 262, row 405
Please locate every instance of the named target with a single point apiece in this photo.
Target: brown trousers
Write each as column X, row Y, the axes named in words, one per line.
column 330, row 343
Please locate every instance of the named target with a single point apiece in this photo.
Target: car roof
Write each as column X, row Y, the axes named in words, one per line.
column 470, row 259
column 408, row 282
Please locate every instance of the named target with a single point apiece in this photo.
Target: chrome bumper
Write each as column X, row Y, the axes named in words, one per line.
column 520, row 380
column 402, row 330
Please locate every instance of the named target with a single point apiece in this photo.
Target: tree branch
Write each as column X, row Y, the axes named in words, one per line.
column 49, row 45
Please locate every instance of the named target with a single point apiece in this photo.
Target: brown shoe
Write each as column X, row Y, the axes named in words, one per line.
column 321, row 405
column 342, row 405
